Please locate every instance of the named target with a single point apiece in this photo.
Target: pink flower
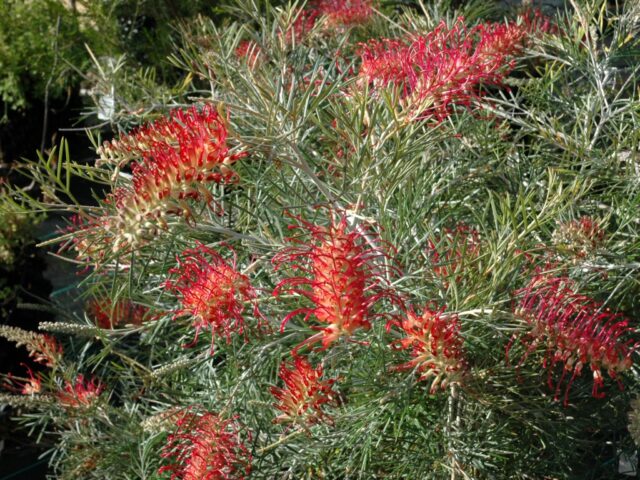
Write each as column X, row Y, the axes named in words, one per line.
column 341, row 271
column 436, row 346
column 576, row 332
column 206, row 447
column 212, row 292
column 80, row 393
column 304, row 393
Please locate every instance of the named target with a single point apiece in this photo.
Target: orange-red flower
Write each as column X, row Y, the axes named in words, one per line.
column 576, row 332
column 46, row 350
column 304, row 394
column 178, row 171
column 176, row 159
column 436, row 346
column 212, row 292
column 79, row 393
column 206, row 447
column 343, row 274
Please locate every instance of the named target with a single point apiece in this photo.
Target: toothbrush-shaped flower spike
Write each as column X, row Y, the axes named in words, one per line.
column 342, row 277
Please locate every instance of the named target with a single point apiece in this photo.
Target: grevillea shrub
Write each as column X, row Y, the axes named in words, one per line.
column 367, row 242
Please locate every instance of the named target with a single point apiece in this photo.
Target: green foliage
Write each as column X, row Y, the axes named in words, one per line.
column 38, row 43
column 516, row 166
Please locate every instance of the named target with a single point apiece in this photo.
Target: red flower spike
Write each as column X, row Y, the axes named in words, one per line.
column 339, row 268
column 304, row 393
column 194, row 153
column 108, row 314
column 201, row 156
column 576, row 332
column 80, row 393
column 445, row 67
column 206, row 447
column 436, row 346
column 212, row 291
column 169, row 132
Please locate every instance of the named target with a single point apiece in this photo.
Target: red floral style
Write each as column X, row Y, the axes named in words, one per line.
column 80, row 393
column 108, row 314
column 455, row 248
column 436, row 346
column 212, row 292
column 339, row 268
column 445, row 67
column 206, row 447
column 575, row 330
column 304, row 393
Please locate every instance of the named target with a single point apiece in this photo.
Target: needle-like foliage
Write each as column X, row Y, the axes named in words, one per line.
column 369, row 241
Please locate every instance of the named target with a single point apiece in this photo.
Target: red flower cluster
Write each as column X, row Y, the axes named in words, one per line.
column 455, row 248
column 436, row 346
column 172, row 132
column 80, row 393
column 575, row 330
column 212, row 292
column 445, row 67
column 108, row 314
column 206, row 447
column 342, row 277
column 301, row 400
column 200, row 156
column 344, row 12
column 180, row 155
column 337, row 13
column 580, row 237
